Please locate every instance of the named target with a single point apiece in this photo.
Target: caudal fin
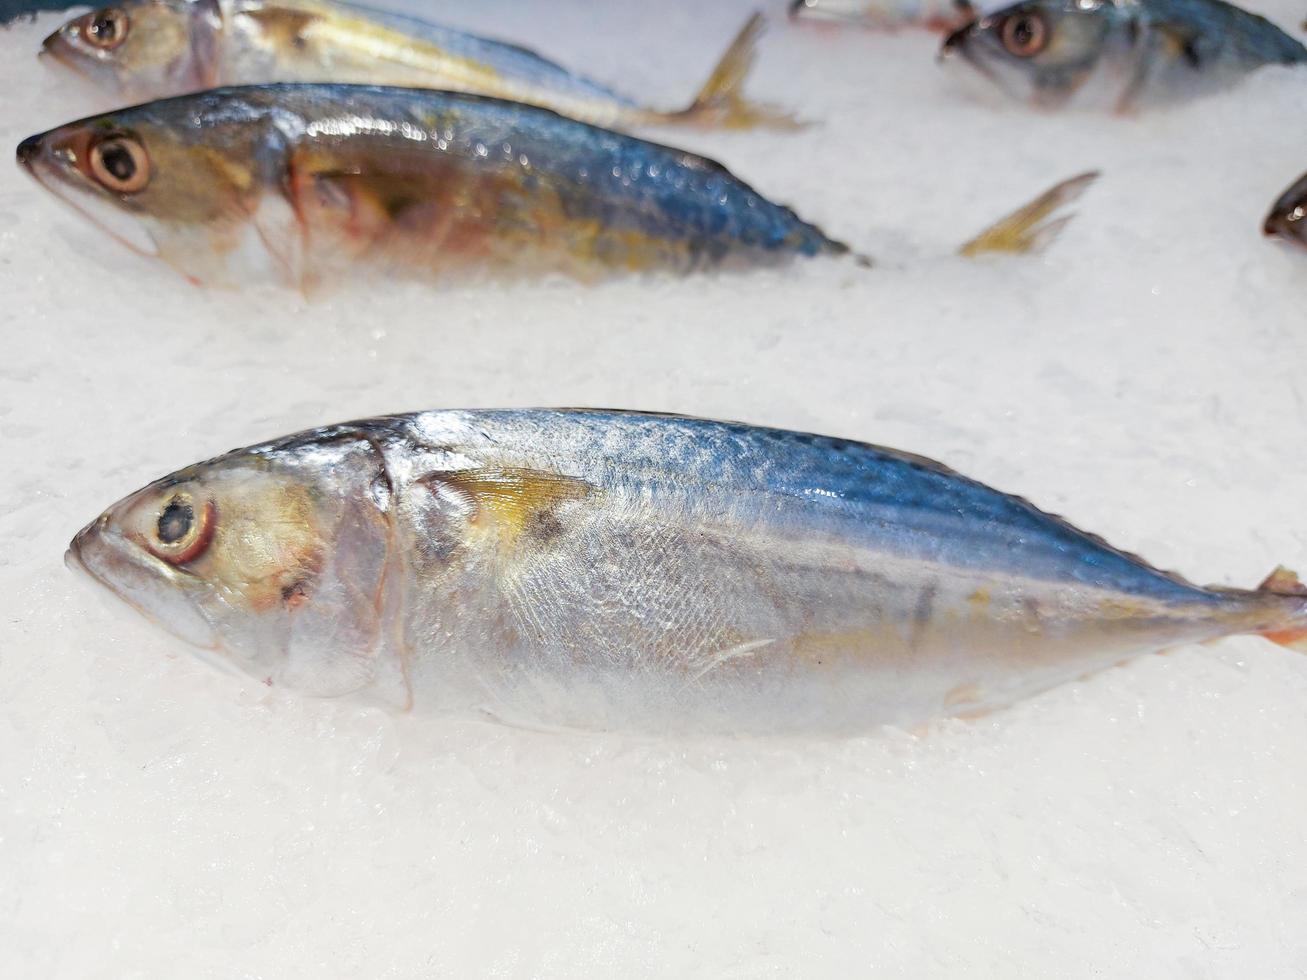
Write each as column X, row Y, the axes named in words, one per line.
column 1284, row 582
column 721, row 102
column 1025, row 230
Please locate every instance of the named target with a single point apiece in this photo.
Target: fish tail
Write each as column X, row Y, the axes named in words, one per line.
column 1025, row 230
column 1284, row 582
column 721, row 103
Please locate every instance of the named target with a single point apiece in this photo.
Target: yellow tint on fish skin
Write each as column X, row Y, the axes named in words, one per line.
column 509, row 502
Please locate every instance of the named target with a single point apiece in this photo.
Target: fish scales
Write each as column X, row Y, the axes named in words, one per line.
column 618, row 570
column 332, row 175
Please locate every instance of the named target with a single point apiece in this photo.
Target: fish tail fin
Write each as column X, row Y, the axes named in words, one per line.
column 721, row 102
column 1025, row 230
column 1284, row 582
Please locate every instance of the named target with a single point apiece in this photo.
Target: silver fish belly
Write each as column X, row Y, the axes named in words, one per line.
column 618, row 570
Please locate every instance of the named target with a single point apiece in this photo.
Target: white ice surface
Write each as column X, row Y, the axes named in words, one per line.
column 158, row 819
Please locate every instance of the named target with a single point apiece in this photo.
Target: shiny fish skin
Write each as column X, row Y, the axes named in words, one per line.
column 306, row 183
column 159, row 48
column 603, row 569
column 1120, row 55
column 884, row 15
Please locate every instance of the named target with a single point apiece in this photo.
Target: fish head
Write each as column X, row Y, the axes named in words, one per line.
column 147, row 48
column 180, row 179
column 1038, row 51
column 1288, row 218
column 272, row 560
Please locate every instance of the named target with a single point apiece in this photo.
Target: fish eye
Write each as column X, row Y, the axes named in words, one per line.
column 107, row 28
column 182, row 530
column 1024, row 35
column 119, row 163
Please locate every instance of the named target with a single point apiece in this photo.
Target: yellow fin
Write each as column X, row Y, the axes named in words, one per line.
column 721, row 103
column 1021, row 231
column 509, row 501
column 1283, row 581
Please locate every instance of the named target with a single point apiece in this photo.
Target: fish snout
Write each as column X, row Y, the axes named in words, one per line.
column 58, row 46
column 797, row 7
column 1287, row 225
column 955, row 41
column 84, row 541
column 28, row 150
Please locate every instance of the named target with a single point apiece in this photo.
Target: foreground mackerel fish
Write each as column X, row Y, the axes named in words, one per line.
column 605, row 569
column 151, row 49
column 1119, row 54
column 311, row 183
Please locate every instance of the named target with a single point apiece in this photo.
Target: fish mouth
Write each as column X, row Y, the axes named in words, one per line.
column 957, row 41
column 56, row 47
column 27, row 152
column 51, row 44
column 1287, row 218
column 50, row 165
column 1287, row 227
column 151, row 587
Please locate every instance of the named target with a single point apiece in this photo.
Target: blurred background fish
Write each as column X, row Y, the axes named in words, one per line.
column 158, row 48
column 1119, row 55
column 314, row 181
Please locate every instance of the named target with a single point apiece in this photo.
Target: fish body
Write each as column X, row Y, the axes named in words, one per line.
column 603, row 569
column 311, row 182
column 159, row 48
column 11, row 10
column 1287, row 219
column 1121, row 55
column 884, row 15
